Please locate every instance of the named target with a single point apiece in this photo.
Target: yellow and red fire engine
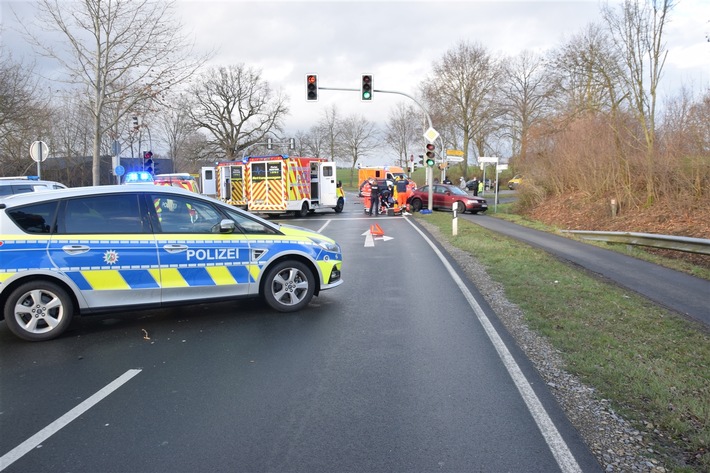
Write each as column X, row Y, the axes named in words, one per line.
column 276, row 185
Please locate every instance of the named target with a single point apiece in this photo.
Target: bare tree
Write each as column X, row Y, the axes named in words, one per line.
column 402, row 131
column 176, row 128
column 637, row 30
column 526, row 92
column 585, row 73
column 236, row 107
column 113, row 61
column 358, row 137
column 329, row 130
column 464, row 83
column 24, row 114
column 311, row 143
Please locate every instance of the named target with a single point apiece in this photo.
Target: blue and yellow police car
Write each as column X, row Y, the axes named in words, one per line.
column 92, row 249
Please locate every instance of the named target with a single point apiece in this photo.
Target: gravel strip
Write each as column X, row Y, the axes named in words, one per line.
column 617, row 445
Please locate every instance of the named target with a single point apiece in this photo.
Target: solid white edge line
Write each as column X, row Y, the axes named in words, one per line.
column 18, row 452
column 555, row 442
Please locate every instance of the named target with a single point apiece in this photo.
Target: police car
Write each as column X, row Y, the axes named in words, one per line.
column 91, row 249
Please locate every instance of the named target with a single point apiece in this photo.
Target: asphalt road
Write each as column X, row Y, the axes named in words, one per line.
column 683, row 293
column 402, row 368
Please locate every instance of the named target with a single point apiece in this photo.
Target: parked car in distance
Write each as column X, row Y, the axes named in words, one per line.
column 19, row 185
column 114, row 248
column 444, row 197
column 515, row 182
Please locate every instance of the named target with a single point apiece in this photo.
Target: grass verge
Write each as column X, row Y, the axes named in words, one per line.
column 651, row 364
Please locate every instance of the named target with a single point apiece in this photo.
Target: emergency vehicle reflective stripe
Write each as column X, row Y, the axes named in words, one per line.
column 109, row 263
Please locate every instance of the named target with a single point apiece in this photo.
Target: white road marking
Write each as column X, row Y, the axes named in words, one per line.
column 18, row 452
column 555, row 442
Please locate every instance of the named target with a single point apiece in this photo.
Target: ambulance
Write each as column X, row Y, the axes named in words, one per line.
column 183, row 179
column 276, row 185
column 389, row 173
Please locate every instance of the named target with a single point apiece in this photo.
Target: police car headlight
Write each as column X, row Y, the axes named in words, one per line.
column 327, row 245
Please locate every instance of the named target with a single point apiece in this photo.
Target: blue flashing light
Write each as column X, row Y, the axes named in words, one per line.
column 138, row 177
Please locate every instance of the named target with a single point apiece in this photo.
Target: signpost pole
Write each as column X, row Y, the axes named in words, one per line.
column 39, row 161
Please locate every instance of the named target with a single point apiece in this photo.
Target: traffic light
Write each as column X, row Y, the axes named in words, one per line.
column 135, row 123
column 430, row 156
column 311, row 87
column 148, row 161
column 366, row 87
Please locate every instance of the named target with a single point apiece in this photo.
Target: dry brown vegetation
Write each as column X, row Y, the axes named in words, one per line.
column 575, row 169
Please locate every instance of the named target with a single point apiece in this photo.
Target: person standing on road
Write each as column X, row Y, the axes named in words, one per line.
column 365, row 191
column 462, row 183
column 474, row 186
column 480, row 187
column 401, row 188
column 374, row 197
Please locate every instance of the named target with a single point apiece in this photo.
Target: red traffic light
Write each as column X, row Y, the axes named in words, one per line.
column 147, row 155
column 311, row 87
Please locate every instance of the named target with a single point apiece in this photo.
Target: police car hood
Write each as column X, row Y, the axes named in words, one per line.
column 322, row 240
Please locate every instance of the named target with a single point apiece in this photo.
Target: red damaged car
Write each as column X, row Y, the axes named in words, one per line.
column 444, row 198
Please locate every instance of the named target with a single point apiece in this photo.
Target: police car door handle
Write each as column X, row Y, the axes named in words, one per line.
column 175, row 248
column 75, row 249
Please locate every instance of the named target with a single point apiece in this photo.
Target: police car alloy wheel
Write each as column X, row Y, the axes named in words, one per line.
column 289, row 286
column 37, row 311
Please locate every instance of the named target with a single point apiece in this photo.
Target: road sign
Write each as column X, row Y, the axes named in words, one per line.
column 431, row 135
column 484, row 159
column 39, row 151
column 119, row 171
column 454, row 152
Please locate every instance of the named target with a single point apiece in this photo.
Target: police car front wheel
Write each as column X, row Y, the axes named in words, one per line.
column 38, row 310
column 289, row 286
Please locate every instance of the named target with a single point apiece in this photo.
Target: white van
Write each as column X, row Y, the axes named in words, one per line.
column 18, row 185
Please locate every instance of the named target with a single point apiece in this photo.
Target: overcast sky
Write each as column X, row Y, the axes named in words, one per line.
column 396, row 41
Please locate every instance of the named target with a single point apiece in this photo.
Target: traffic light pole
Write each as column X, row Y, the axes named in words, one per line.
column 430, row 173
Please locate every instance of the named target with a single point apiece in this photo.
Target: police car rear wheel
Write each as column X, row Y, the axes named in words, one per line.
column 38, row 311
column 289, row 286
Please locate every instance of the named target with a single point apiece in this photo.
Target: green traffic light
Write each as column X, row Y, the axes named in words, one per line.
column 366, row 95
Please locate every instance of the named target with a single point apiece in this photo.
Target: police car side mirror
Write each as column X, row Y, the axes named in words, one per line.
column 225, row 226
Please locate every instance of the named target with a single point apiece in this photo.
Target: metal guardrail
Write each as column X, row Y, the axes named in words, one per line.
column 670, row 242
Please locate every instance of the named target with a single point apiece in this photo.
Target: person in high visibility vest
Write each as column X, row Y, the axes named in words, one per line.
column 401, row 191
column 411, row 187
column 366, row 191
